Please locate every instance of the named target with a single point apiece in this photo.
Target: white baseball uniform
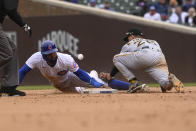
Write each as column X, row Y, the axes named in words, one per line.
column 61, row 75
column 143, row 54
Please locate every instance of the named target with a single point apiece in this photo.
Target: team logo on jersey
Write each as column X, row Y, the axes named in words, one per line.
column 49, row 47
column 61, row 73
column 75, row 65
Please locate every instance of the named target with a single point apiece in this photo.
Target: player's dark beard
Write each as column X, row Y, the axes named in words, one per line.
column 50, row 62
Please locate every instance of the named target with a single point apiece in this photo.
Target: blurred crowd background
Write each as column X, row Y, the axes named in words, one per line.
column 172, row 11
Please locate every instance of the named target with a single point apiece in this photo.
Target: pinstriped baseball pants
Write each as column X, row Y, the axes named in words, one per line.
column 8, row 60
column 150, row 61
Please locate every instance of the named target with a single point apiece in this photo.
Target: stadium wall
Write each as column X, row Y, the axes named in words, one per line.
column 29, row 8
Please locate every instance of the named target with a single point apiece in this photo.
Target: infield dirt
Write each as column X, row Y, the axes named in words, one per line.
column 50, row 110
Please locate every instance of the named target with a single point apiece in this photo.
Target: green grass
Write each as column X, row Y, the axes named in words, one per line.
column 37, row 87
column 153, row 85
column 45, row 87
column 189, row 84
column 185, row 84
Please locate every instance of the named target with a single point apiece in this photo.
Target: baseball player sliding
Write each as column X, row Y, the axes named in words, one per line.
column 143, row 54
column 60, row 69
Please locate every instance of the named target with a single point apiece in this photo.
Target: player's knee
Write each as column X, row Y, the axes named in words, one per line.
column 7, row 54
column 115, row 59
column 166, row 84
column 5, row 59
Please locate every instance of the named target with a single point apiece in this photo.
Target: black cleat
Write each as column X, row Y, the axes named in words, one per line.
column 137, row 87
column 11, row 91
column 163, row 89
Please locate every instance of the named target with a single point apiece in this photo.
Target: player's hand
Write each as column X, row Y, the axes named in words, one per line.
column 28, row 29
column 105, row 76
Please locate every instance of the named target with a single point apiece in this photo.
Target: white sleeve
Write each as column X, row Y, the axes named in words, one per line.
column 71, row 64
column 33, row 60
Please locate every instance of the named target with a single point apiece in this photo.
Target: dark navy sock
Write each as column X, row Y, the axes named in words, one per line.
column 120, row 85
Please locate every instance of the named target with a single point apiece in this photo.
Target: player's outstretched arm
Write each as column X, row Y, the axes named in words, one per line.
column 114, row 83
column 23, row 71
column 86, row 78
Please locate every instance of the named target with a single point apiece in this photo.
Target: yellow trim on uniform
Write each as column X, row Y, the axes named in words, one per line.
column 123, row 54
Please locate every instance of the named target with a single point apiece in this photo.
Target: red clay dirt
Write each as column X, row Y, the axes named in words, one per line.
column 50, row 110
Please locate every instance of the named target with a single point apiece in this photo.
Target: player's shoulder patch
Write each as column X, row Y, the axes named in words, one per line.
column 75, row 65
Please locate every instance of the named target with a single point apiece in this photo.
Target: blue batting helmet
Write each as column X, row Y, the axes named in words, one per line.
column 48, row 47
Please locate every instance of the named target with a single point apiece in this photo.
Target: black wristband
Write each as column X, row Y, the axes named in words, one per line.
column 114, row 71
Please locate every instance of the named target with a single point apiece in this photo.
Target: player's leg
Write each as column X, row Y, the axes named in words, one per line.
column 10, row 75
column 160, row 76
column 9, row 57
column 10, row 78
column 176, row 83
column 74, row 84
column 124, row 62
column 159, row 72
column 68, row 85
column 167, row 81
column 6, row 52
